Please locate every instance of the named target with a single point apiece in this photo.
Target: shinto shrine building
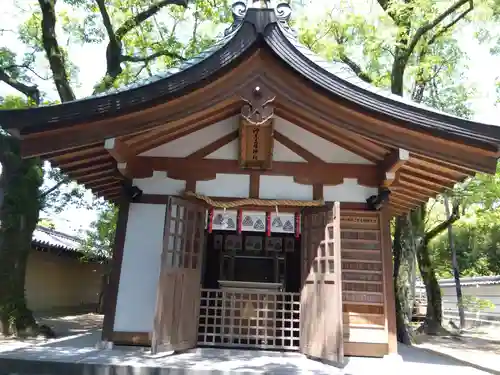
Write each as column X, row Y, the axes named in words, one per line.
column 256, row 183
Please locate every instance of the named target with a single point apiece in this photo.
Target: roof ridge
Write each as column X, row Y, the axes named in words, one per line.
column 57, row 233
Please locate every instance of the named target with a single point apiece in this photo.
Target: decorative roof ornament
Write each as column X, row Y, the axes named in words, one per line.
column 282, row 10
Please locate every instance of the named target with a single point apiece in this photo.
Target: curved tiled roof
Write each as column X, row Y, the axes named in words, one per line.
column 252, row 28
column 43, row 236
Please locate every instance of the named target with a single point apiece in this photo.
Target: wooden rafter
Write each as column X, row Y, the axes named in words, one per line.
column 91, row 167
column 214, row 146
column 400, row 197
column 401, row 203
column 412, row 185
column 79, row 161
column 104, row 184
column 410, row 197
column 410, row 192
column 296, row 148
column 433, row 173
column 424, row 180
column 74, row 152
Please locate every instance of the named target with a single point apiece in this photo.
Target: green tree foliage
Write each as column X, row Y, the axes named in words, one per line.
column 143, row 37
column 99, row 238
column 98, row 241
column 477, row 236
column 409, row 48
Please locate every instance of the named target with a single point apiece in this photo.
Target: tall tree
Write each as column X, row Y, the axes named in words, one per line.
column 139, row 43
column 409, row 48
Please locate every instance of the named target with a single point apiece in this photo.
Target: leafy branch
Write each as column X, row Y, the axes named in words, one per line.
column 114, row 49
column 31, row 91
column 455, row 215
column 422, row 30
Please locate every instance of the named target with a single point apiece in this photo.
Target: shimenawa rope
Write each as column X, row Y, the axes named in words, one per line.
column 254, row 202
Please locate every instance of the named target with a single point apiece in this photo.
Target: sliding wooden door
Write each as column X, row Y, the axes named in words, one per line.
column 178, row 296
column 321, row 334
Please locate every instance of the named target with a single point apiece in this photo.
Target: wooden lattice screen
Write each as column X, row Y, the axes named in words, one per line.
column 267, row 320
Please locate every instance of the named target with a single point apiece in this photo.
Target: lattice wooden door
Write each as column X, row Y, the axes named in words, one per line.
column 178, row 296
column 321, row 333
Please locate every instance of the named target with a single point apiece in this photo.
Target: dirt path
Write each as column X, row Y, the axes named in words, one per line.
column 63, row 326
column 480, row 352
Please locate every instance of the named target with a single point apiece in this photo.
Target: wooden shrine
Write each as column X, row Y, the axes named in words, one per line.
column 256, row 186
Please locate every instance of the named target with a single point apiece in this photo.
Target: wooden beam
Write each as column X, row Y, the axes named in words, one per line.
column 191, row 185
column 91, row 177
column 205, row 169
column 299, row 150
column 127, row 161
column 214, row 146
column 409, row 196
column 387, row 267
column 74, row 152
column 404, row 207
column 118, row 150
column 254, row 184
column 340, row 137
column 102, row 185
column 411, row 192
column 90, row 167
column 114, row 278
column 432, row 173
column 428, row 189
column 317, row 191
column 423, row 180
column 404, row 201
column 391, row 164
column 74, row 162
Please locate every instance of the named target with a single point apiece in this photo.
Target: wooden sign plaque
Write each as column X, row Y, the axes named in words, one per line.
column 256, row 144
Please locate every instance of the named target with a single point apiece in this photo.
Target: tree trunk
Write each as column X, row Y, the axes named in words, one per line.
column 456, row 273
column 20, row 180
column 398, row 243
column 434, row 315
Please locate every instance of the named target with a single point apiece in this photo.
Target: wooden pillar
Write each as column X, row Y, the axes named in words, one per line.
column 387, row 267
column 111, row 292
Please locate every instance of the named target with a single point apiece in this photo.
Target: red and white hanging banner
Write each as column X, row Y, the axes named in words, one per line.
column 210, row 220
column 240, row 219
column 268, row 224
column 297, row 225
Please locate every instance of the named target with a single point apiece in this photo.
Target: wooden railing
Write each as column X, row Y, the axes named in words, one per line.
column 246, row 318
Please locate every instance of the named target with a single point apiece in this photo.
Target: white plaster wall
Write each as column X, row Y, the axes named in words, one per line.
column 271, row 187
column 283, row 187
column 159, row 183
column 140, row 270
column 320, row 147
column 283, row 153
column 225, row 185
column 192, row 142
column 226, row 152
column 348, row 191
